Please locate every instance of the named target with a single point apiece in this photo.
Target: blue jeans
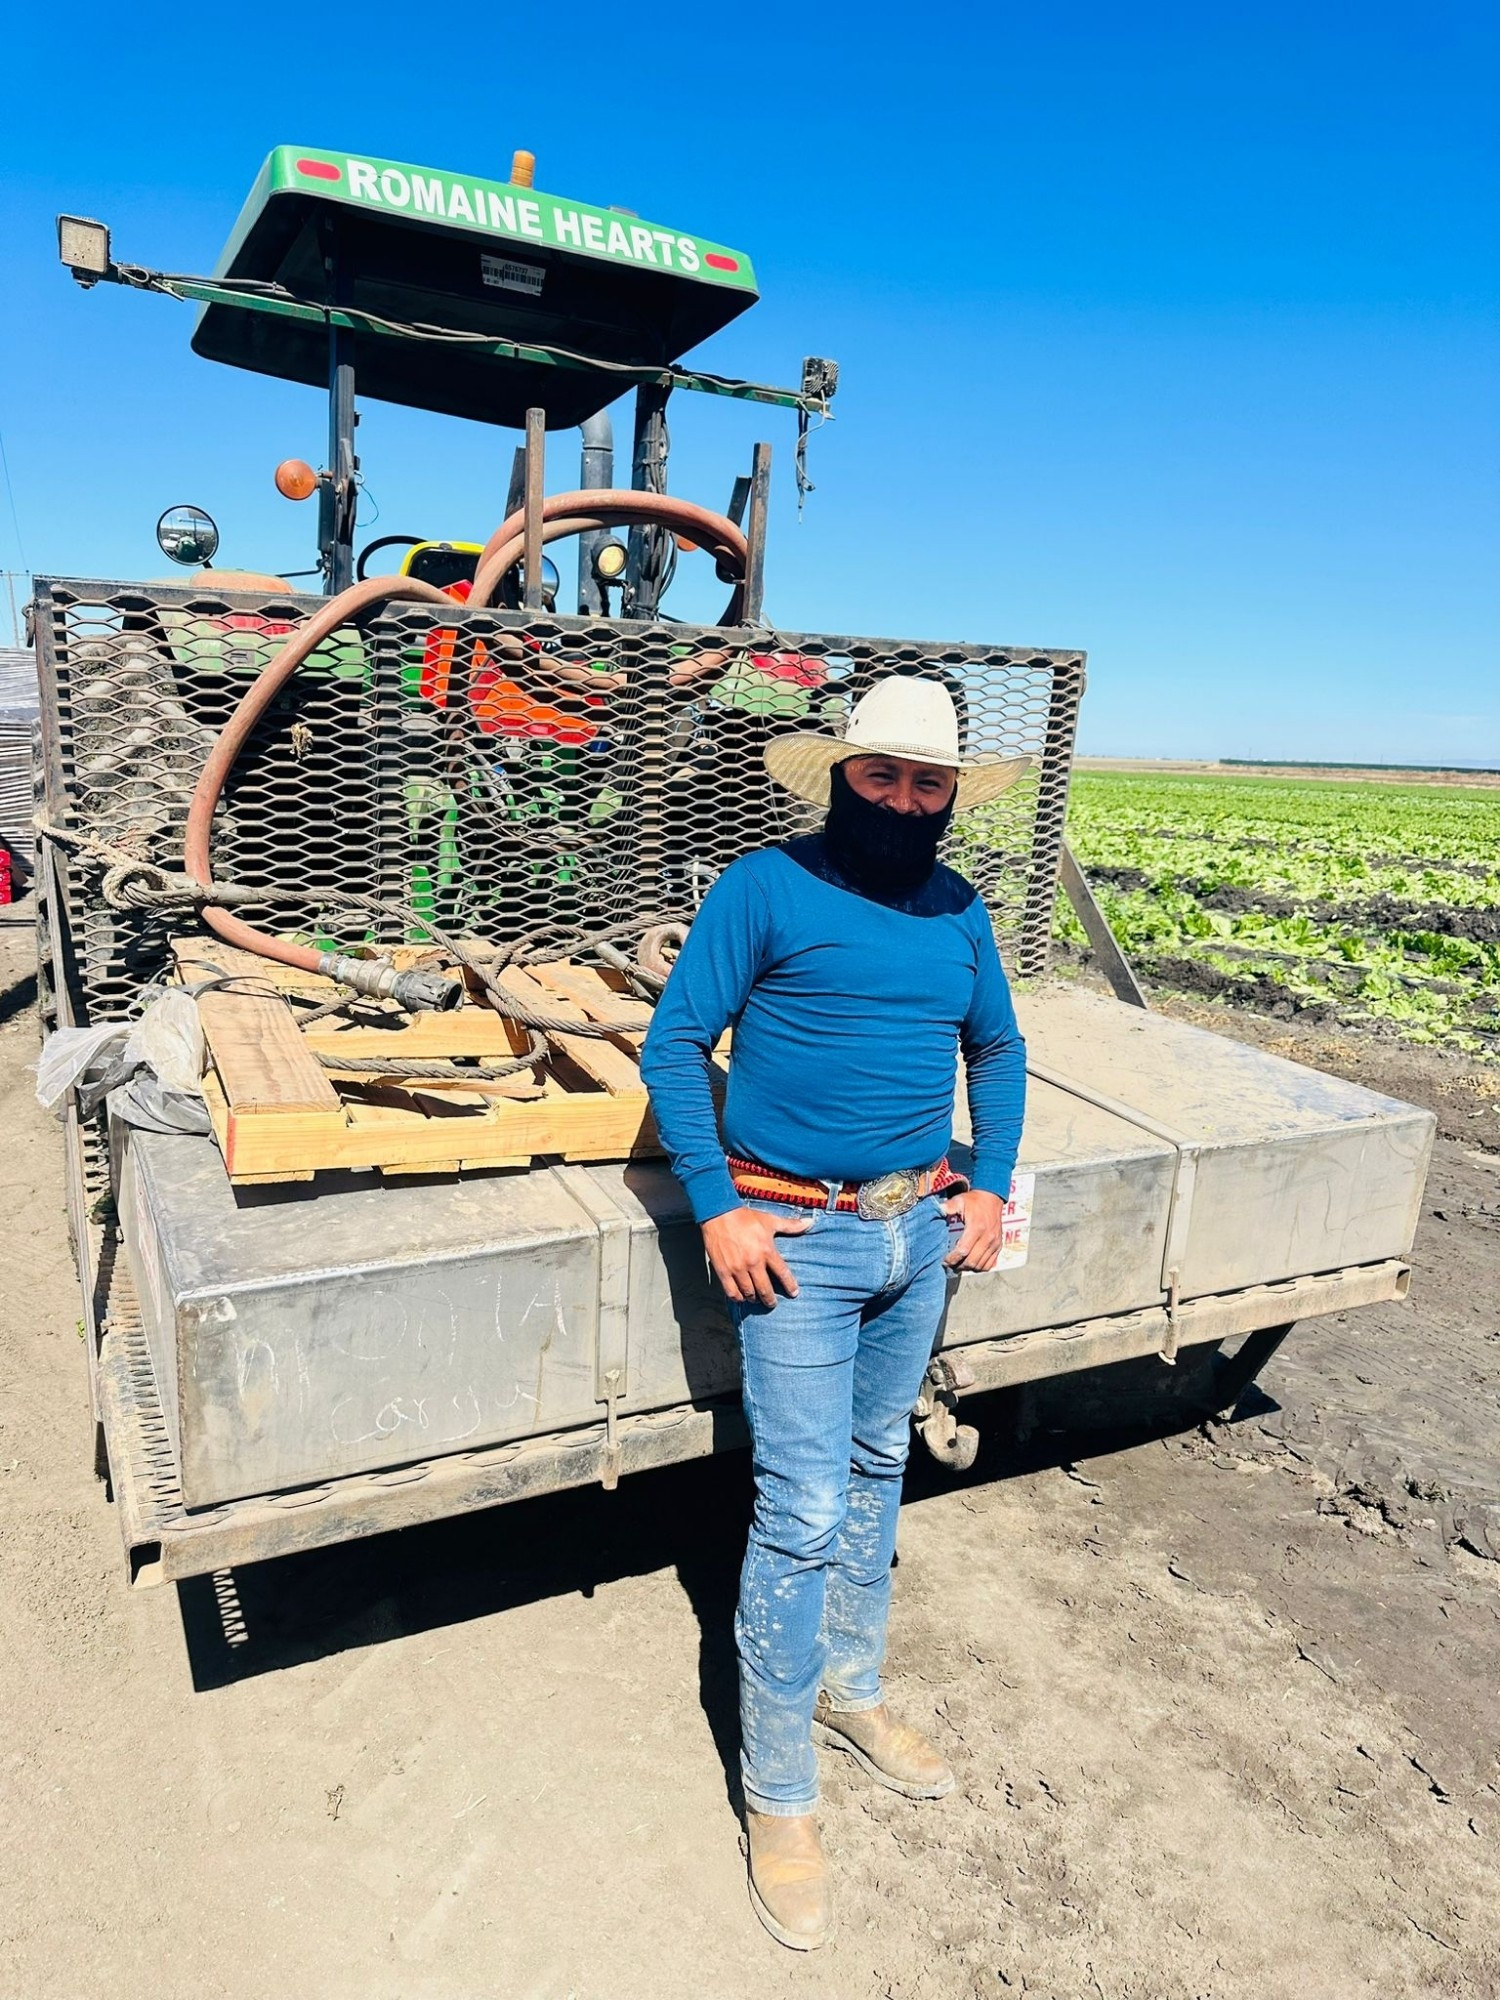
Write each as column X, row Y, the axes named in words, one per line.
column 830, row 1379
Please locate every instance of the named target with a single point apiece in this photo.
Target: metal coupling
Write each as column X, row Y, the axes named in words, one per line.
column 378, row 979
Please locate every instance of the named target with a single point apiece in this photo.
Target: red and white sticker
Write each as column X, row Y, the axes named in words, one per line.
column 1015, row 1232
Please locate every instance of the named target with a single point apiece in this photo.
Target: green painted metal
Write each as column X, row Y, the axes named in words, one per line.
column 469, row 297
column 525, row 217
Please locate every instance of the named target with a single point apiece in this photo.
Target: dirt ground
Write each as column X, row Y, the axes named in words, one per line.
column 1222, row 1699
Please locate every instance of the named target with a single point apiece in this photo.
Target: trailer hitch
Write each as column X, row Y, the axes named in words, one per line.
column 951, row 1443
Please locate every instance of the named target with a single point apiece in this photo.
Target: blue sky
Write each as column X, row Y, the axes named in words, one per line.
column 1166, row 331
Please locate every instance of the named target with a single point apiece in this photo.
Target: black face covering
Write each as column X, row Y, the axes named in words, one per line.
column 877, row 849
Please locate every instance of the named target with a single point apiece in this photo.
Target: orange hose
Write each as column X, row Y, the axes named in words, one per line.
column 562, row 514
column 617, row 507
column 253, row 704
column 507, row 554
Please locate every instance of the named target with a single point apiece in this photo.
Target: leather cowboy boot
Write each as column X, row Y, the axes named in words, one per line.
column 894, row 1754
column 789, row 1884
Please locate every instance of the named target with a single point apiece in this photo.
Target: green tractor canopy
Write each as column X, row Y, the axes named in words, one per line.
column 420, row 259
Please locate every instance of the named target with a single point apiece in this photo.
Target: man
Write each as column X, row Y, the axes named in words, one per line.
column 853, row 968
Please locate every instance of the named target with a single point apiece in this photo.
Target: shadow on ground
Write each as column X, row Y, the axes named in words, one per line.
column 690, row 1519
column 18, row 998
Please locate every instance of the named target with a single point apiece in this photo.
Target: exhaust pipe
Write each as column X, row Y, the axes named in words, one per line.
column 597, row 470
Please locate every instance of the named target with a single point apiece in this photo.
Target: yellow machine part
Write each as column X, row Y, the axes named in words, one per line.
column 442, row 563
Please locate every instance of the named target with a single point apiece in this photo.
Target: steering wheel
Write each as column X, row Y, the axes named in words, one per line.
column 383, row 542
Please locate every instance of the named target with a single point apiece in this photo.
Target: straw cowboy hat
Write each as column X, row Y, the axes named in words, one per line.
column 901, row 716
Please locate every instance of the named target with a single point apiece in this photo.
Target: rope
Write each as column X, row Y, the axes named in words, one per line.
column 435, row 1070
column 487, row 963
column 658, row 949
column 538, row 947
column 337, row 1005
column 131, row 883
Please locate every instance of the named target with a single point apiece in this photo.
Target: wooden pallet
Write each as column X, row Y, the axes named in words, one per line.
column 280, row 1115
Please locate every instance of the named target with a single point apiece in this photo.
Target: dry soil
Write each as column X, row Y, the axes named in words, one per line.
column 1221, row 1699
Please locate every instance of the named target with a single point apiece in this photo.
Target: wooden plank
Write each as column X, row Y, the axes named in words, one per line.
column 272, row 1145
column 590, row 1125
column 649, row 1148
column 451, row 1166
column 394, row 1120
column 197, row 957
column 474, row 1029
column 467, row 1031
column 218, row 1108
column 262, row 1060
column 522, row 1086
column 597, row 982
column 392, row 1109
column 595, row 1055
column 587, row 988
column 278, row 1116
column 516, row 1089
column 201, row 956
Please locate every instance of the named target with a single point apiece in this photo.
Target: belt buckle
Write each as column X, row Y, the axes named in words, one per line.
column 890, row 1195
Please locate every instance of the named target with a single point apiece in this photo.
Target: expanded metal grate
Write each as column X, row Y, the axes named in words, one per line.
column 501, row 773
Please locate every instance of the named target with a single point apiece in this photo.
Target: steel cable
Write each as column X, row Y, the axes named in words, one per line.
column 710, row 530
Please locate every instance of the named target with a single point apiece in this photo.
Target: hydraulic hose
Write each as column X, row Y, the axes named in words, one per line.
column 233, row 737
column 619, row 508
column 508, row 554
column 563, row 514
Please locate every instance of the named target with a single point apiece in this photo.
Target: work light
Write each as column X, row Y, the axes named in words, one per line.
column 83, row 245
column 610, row 559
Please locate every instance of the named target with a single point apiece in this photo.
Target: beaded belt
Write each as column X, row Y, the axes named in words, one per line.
column 878, row 1200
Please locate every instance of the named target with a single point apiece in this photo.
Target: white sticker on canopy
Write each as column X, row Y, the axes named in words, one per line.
column 512, row 277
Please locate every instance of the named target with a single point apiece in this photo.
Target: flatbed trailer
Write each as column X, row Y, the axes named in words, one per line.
column 268, row 1385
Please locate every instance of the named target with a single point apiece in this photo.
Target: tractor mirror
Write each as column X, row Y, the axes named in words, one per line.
column 187, row 535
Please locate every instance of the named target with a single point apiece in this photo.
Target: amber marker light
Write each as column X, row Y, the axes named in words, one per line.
column 295, row 479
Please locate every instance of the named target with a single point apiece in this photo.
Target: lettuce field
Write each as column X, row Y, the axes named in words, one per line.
column 1372, row 904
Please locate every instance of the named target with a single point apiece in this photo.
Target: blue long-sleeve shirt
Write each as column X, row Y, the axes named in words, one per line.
column 848, row 1016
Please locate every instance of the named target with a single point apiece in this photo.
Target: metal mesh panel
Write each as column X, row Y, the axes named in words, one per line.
column 501, row 773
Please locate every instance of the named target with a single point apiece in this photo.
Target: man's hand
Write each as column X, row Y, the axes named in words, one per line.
column 983, row 1216
column 741, row 1246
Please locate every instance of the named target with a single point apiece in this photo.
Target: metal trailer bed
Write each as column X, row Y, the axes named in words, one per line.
column 426, row 1349
column 281, row 1367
